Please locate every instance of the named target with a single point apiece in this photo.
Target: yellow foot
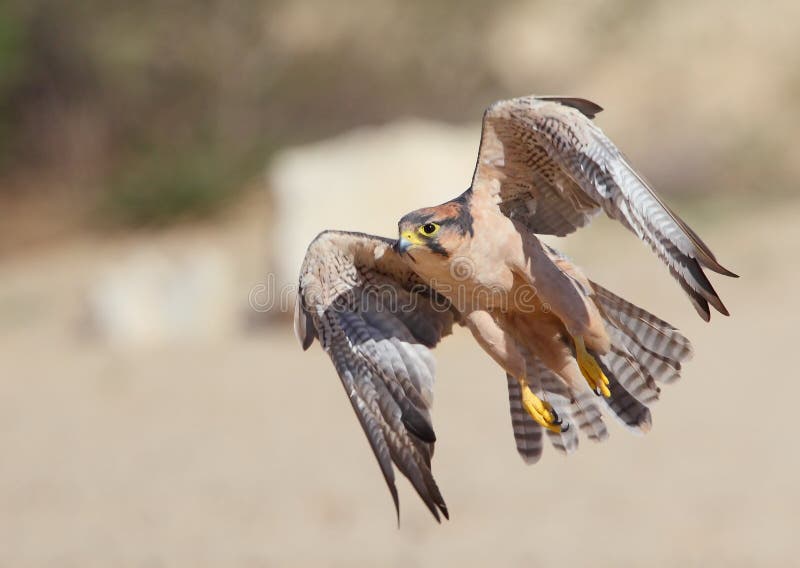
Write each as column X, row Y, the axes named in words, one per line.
column 541, row 411
column 592, row 372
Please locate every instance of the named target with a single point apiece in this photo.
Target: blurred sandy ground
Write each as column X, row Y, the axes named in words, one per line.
column 240, row 450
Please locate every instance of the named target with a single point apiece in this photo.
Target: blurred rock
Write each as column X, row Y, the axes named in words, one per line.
column 364, row 180
column 151, row 297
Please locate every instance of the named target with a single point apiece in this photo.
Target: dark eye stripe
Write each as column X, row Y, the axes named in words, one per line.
column 438, row 249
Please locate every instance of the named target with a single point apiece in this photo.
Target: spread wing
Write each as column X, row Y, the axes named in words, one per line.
column 378, row 322
column 549, row 167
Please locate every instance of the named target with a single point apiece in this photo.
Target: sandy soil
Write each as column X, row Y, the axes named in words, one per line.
column 243, row 451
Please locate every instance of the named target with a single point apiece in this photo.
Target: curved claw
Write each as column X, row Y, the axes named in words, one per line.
column 541, row 411
column 565, row 428
column 591, row 369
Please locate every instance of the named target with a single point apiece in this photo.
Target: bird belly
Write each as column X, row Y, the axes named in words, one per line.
column 542, row 334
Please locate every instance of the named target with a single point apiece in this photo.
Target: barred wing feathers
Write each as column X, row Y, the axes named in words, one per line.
column 378, row 322
column 557, row 170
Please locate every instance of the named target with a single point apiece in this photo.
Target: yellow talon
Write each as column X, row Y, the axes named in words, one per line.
column 542, row 412
column 591, row 371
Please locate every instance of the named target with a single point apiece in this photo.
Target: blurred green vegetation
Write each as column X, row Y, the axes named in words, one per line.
column 123, row 101
column 159, row 189
column 152, row 111
column 12, row 66
column 157, row 111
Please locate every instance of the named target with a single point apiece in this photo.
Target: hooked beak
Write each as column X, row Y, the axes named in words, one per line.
column 402, row 245
column 405, row 242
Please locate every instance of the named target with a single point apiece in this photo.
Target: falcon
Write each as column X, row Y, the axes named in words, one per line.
column 568, row 346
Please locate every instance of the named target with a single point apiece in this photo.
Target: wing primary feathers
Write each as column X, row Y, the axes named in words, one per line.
column 709, row 260
column 380, row 348
column 417, row 424
column 704, row 254
column 588, row 108
column 557, row 169
column 685, row 269
column 303, row 326
column 378, row 445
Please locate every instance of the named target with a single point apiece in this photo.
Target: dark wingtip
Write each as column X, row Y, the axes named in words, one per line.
column 725, row 272
column 719, row 269
column 418, row 425
column 303, row 326
column 586, row 107
column 396, row 499
column 438, row 505
column 716, row 302
column 432, row 507
column 700, row 306
column 709, row 294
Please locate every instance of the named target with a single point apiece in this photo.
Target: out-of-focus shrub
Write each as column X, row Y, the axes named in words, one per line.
column 168, row 187
column 151, row 111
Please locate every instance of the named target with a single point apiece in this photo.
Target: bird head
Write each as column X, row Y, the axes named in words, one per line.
column 426, row 234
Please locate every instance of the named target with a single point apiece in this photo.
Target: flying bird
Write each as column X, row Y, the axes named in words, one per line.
column 568, row 346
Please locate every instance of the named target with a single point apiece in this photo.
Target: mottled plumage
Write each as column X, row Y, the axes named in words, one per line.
column 378, row 306
column 557, row 170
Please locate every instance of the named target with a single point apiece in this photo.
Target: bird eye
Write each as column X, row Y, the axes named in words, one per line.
column 429, row 229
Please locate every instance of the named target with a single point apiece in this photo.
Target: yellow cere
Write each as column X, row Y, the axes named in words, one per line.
column 413, row 238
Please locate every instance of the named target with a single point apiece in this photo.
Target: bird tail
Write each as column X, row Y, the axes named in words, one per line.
column 579, row 410
column 645, row 351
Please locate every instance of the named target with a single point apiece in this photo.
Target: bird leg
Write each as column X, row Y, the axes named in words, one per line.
column 502, row 347
column 590, row 369
column 541, row 411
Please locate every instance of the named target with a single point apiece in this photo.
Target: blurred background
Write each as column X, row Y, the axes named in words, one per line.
column 163, row 166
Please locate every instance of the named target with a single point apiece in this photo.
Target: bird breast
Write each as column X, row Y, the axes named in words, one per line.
column 479, row 274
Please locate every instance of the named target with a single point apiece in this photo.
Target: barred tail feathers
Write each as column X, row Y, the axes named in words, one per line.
column 645, row 351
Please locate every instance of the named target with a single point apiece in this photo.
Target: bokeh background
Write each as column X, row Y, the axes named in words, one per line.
column 164, row 164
